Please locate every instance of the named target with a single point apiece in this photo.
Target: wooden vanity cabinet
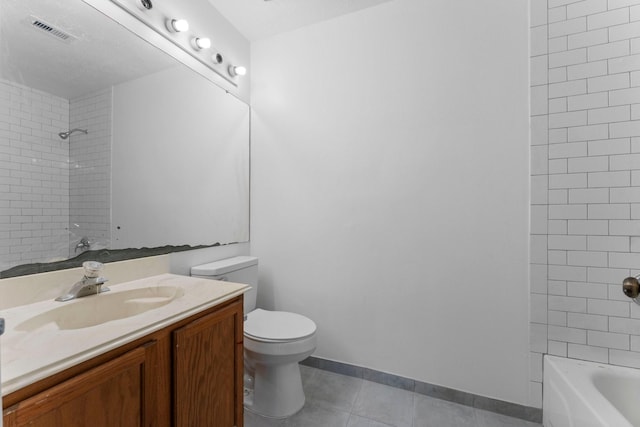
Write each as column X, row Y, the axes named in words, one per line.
column 111, row 394
column 187, row 374
column 208, row 372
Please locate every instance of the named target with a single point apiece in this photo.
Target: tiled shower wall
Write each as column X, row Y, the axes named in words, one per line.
column 90, row 170
column 52, row 191
column 34, row 175
column 585, row 181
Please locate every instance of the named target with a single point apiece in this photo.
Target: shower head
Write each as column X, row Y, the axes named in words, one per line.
column 67, row 134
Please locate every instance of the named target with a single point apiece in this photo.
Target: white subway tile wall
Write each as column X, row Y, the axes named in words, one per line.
column 591, row 229
column 34, row 171
column 52, row 191
column 544, row 54
column 90, row 170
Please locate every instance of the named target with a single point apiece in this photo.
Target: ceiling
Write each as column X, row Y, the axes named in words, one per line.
column 259, row 19
column 95, row 57
column 99, row 53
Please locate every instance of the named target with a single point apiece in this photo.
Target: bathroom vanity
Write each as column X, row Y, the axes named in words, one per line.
column 173, row 357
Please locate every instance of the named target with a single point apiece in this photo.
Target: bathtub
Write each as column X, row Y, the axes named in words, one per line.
column 586, row 394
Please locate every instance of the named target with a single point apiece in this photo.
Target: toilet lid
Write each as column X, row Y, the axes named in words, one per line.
column 277, row 326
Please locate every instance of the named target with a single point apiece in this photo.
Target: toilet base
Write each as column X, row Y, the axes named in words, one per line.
column 277, row 390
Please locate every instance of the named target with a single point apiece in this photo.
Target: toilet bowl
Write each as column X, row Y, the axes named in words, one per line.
column 274, row 343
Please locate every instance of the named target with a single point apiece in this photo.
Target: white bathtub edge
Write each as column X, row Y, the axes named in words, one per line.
column 571, row 399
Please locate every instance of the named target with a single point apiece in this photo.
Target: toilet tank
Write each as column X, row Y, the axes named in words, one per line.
column 239, row 269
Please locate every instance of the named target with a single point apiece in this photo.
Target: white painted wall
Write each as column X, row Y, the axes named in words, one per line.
column 390, row 188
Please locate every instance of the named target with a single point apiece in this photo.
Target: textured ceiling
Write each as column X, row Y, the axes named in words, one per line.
column 259, row 19
column 101, row 54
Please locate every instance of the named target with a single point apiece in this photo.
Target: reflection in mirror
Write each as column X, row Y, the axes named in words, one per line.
column 159, row 155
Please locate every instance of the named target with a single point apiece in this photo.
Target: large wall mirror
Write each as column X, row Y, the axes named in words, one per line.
column 108, row 143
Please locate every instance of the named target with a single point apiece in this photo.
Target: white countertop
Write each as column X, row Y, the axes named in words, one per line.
column 29, row 356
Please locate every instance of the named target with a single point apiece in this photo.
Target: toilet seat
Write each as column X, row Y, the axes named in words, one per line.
column 277, row 326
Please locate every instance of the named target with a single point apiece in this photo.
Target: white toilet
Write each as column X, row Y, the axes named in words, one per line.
column 274, row 342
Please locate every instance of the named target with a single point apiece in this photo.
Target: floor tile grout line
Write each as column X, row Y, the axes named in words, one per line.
column 353, row 404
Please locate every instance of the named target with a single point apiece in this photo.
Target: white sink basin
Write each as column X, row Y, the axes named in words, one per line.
column 48, row 336
column 98, row 309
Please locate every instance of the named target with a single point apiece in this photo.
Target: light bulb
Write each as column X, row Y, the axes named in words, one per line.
column 177, row 25
column 201, row 43
column 237, row 70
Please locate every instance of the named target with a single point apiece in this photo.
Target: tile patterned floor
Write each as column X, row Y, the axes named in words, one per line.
column 335, row 400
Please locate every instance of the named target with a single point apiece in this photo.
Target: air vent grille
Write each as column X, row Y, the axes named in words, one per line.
column 47, row 28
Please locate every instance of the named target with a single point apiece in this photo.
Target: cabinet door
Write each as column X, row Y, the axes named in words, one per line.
column 208, row 370
column 108, row 395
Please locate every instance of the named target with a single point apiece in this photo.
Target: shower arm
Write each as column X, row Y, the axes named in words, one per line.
column 65, row 135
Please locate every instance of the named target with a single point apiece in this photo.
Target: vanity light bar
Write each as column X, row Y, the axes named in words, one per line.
column 177, row 31
column 200, row 43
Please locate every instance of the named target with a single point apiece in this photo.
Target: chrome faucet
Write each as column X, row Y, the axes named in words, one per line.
column 90, row 284
column 83, row 245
